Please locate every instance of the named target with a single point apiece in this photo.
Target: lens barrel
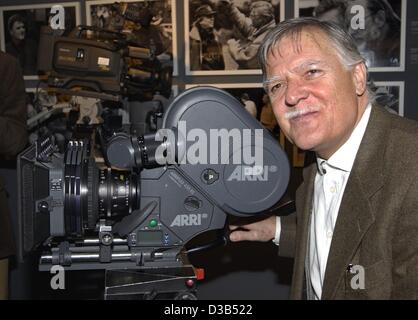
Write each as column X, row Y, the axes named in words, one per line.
column 91, row 193
column 118, row 193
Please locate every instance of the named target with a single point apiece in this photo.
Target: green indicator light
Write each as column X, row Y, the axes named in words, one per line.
column 153, row 223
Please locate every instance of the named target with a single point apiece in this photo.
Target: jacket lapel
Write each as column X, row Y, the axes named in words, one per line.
column 356, row 213
column 304, row 196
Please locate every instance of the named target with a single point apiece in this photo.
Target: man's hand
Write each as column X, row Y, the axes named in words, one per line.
column 263, row 230
column 234, row 47
column 233, row 42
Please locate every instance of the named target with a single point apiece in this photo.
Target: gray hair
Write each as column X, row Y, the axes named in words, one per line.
column 343, row 42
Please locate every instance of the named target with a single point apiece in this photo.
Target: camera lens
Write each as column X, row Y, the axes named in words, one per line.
column 91, row 193
column 119, row 193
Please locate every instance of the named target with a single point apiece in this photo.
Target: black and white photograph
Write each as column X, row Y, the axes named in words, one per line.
column 377, row 26
column 20, row 31
column 149, row 24
column 389, row 94
column 251, row 95
column 223, row 36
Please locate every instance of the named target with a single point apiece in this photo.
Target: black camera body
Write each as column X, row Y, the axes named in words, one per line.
column 143, row 219
column 140, row 205
column 105, row 65
column 130, row 200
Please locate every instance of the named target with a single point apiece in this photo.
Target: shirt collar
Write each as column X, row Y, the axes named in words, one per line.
column 344, row 157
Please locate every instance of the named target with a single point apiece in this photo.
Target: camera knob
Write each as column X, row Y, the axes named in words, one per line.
column 43, row 207
column 209, row 176
column 192, row 203
column 120, row 152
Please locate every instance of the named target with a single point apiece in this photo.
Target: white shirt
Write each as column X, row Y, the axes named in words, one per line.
column 330, row 182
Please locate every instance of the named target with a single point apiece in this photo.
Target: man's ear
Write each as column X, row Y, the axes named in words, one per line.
column 360, row 78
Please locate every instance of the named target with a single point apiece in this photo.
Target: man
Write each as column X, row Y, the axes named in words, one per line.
column 205, row 51
column 25, row 50
column 254, row 29
column 355, row 231
column 379, row 38
column 12, row 140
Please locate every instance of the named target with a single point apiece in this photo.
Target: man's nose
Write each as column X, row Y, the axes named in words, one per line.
column 295, row 92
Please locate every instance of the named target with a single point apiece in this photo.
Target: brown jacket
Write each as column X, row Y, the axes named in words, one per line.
column 377, row 225
column 13, row 135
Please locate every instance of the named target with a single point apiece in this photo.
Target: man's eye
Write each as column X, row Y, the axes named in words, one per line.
column 313, row 72
column 275, row 87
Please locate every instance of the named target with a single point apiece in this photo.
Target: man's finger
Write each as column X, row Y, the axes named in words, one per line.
column 237, row 236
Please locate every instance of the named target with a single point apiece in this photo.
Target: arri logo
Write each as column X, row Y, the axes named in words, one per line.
column 187, row 220
column 248, row 173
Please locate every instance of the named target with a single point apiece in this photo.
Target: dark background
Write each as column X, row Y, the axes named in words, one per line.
column 238, row 271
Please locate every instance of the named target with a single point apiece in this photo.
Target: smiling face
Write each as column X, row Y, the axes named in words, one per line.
column 316, row 99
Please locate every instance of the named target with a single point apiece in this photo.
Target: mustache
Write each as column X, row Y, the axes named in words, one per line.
column 297, row 113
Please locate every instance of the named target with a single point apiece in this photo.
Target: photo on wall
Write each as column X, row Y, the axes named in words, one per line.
column 48, row 113
column 148, row 24
column 251, row 95
column 223, row 36
column 390, row 95
column 377, row 26
column 20, row 28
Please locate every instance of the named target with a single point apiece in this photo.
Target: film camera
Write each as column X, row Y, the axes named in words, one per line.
column 130, row 203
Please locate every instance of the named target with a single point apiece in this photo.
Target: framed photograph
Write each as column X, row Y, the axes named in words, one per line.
column 249, row 94
column 223, row 37
column 20, row 31
column 152, row 23
column 390, row 95
column 377, row 26
column 45, row 103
